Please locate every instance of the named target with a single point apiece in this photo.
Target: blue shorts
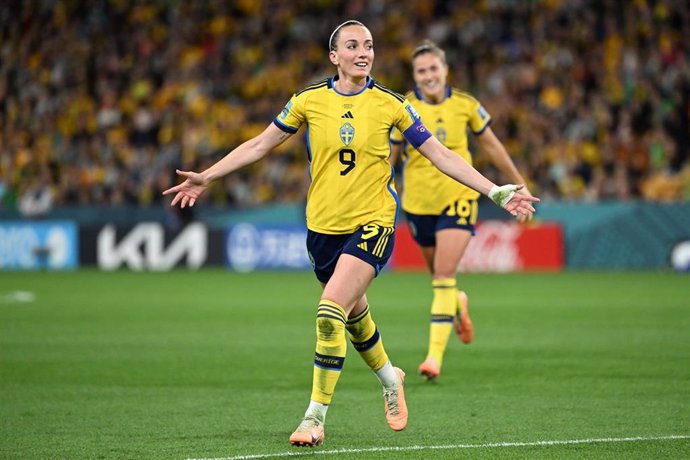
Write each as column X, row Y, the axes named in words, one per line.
column 461, row 215
column 372, row 243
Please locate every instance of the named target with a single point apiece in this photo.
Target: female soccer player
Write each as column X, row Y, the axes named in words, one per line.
column 351, row 208
column 440, row 211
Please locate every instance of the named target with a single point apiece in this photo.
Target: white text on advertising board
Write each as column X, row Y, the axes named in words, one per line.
column 143, row 247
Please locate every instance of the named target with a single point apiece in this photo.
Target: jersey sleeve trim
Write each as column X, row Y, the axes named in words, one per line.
column 476, row 133
column 284, row 127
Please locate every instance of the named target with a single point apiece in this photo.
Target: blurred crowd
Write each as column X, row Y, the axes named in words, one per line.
column 100, row 100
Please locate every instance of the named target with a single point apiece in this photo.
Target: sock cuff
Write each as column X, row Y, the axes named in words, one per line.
column 331, row 309
column 358, row 317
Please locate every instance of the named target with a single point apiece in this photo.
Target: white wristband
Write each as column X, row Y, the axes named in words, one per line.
column 503, row 194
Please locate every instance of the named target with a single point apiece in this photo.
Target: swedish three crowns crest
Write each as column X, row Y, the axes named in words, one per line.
column 347, row 133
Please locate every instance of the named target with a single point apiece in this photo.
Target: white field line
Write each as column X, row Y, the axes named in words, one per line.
column 491, row 445
column 17, row 297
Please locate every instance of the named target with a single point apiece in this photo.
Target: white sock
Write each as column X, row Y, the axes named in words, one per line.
column 317, row 410
column 387, row 376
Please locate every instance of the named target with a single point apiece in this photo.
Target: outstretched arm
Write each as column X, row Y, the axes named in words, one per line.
column 246, row 153
column 456, row 167
column 494, row 149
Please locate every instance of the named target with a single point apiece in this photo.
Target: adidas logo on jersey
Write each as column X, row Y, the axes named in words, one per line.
column 363, row 246
column 348, row 114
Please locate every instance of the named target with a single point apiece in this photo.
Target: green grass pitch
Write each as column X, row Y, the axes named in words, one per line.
column 214, row 364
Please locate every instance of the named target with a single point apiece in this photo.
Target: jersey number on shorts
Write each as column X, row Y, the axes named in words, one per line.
column 383, row 233
column 466, row 210
column 347, row 158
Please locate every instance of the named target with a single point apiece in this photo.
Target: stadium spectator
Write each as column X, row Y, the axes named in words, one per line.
column 36, row 196
column 351, row 208
column 442, row 213
column 575, row 88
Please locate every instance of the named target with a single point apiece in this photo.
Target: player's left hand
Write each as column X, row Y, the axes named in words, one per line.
column 517, row 204
column 522, row 218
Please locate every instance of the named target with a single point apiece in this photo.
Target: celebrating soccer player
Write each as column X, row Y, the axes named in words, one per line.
column 351, row 208
column 440, row 211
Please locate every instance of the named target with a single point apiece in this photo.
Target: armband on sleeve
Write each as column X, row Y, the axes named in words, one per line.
column 416, row 134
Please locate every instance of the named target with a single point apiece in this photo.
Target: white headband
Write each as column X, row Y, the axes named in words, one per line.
column 349, row 22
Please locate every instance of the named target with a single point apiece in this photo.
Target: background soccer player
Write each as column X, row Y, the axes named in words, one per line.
column 351, row 208
column 442, row 212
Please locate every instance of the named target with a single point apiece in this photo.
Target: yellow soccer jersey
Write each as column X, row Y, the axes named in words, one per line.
column 348, row 148
column 427, row 190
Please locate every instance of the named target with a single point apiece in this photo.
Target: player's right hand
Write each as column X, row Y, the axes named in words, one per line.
column 188, row 191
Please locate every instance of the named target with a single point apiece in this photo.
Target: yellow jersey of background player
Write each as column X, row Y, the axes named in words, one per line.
column 348, row 147
column 426, row 189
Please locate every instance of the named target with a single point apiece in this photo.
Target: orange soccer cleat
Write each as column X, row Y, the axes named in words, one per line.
column 394, row 404
column 462, row 321
column 429, row 369
column 309, row 433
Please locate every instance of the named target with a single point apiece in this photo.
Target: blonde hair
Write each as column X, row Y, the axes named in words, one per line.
column 427, row 46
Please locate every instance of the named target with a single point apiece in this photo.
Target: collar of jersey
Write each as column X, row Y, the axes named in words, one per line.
column 418, row 93
column 331, row 85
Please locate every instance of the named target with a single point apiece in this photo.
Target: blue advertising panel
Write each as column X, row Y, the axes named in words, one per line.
column 49, row 245
column 263, row 247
